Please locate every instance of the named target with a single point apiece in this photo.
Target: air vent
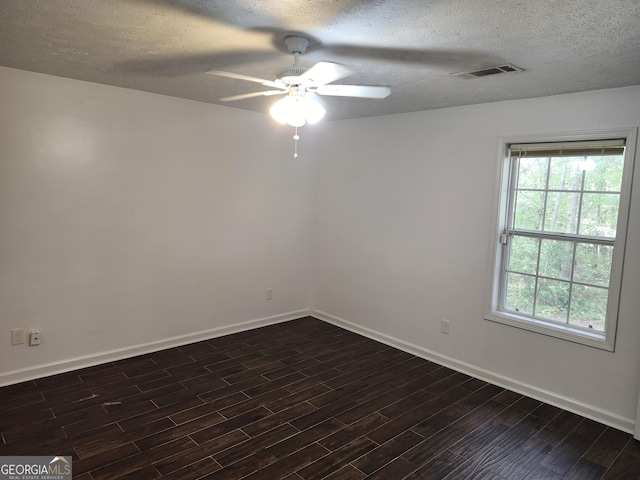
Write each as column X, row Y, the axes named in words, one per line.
column 485, row 72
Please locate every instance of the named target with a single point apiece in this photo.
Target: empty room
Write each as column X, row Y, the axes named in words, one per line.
column 319, row 240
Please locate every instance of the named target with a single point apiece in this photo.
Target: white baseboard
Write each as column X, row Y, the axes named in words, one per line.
column 570, row 404
column 39, row 371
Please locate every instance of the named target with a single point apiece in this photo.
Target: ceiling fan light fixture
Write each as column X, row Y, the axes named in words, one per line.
column 296, row 110
column 314, row 112
column 287, row 110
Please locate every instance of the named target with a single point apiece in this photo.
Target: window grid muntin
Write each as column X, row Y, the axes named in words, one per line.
column 573, row 326
column 626, row 139
column 573, row 264
column 584, row 176
column 575, row 239
column 571, row 282
column 537, row 280
column 544, row 202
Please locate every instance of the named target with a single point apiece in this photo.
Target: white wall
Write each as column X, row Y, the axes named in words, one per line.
column 129, row 218
column 402, row 229
column 131, row 221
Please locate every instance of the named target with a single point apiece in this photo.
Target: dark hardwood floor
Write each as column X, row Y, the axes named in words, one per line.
column 301, row 400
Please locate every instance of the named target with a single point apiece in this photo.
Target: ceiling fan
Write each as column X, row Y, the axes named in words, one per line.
column 301, row 85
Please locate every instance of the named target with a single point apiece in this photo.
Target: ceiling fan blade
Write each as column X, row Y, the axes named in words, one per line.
column 252, row 95
column 325, row 72
column 239, row 76
column 364, row 91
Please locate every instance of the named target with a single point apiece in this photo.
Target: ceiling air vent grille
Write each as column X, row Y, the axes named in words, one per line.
column 485, row 72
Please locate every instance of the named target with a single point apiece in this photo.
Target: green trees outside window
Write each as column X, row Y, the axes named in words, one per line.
column 560, row 233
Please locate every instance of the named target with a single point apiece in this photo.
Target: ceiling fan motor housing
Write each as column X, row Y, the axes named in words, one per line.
column 289, row 75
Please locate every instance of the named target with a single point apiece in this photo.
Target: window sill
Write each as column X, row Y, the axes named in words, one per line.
column 596, row 340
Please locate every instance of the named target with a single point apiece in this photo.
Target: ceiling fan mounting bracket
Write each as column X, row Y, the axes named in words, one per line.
column 296, row 43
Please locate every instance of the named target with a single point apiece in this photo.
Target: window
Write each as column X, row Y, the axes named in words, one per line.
column 561, row 234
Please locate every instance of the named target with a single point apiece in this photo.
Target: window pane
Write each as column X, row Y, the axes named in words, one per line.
column 604, row 173
column 562, row 212
column 552, row 301
column 520, row 291
column 524, row 254
column 593, row 264
column 589, row 307
column 565, row 174
column 528, row 210
column 599, row 216
column 555, row 259
column 532, row 173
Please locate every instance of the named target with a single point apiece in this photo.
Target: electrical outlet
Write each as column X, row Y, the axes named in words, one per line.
column 269, row 293
column 34, row 337
column 444, row 326
column 17, row 336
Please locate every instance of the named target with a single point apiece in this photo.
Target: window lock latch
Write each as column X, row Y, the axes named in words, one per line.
column 503, row 239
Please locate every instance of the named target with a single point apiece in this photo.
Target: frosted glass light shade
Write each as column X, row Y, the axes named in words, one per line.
column 313, row 111
column 296, row 110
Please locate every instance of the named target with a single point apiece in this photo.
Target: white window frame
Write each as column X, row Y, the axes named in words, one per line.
column 493, row 312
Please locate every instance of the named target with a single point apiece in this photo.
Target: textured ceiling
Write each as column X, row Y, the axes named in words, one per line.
column 166, row 46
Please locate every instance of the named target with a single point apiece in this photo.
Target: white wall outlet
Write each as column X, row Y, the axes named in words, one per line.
column 269, row 293
column 35, row 337
column 17, row 336
column 444, row 326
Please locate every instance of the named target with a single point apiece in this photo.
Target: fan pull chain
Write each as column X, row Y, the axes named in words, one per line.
column 296, row 137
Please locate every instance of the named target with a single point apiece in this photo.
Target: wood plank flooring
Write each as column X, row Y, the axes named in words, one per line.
column 302, row 400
